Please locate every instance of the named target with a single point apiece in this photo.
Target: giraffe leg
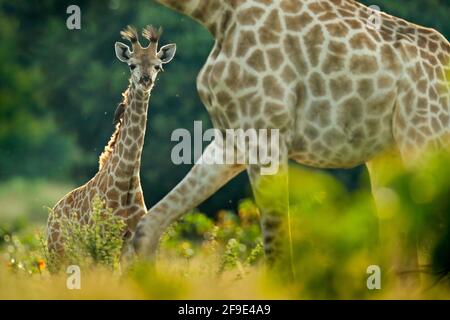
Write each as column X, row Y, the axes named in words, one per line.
column 397, row 238
column 127, row 253
column 416, row 130
column 199, row 184
column 272, row 198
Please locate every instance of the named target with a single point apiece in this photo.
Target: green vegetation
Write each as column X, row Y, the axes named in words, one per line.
column 97, row 243
column 335, row 238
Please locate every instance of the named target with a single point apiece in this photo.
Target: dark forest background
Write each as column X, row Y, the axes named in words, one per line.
column 59, row 89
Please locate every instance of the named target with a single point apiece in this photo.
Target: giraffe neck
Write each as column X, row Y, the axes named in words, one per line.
column 206, row 12
column 126, row 156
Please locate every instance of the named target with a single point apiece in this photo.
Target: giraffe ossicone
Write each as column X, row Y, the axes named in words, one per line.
column 117, row 183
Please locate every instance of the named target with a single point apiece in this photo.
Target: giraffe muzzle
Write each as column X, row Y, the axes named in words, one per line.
column 146, row 80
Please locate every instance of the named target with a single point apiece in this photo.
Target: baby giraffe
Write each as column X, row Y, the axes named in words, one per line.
column 117, row 183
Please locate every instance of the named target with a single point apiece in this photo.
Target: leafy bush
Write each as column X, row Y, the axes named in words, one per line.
column 98, row 242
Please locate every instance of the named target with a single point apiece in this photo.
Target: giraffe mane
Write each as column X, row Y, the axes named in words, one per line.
column 118, row 121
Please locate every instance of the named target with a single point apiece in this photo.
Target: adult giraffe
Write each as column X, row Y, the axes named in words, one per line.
column 341, row 93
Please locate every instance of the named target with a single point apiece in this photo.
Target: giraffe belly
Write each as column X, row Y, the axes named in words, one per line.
column 343, row 157
column 339, row 137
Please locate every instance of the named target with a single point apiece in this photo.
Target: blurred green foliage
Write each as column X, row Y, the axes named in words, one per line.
column 27, row 199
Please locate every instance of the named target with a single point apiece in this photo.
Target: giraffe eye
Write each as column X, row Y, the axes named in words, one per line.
column 132, row 66
column 157, row 67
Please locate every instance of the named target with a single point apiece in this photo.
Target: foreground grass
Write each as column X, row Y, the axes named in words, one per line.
column 176, row 278
column 335, row 238
column 185, row 269
column 152, row 284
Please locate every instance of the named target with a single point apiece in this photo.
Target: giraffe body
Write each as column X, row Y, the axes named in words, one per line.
column 340, row 92
column 117, row 183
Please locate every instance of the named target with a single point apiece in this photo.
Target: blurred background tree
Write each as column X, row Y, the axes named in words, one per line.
column 59, row 89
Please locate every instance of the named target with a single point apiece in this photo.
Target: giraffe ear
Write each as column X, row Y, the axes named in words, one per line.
column 123, row 52
column 167, row 53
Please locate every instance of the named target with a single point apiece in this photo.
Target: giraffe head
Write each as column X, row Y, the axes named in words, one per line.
column 145, row 62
